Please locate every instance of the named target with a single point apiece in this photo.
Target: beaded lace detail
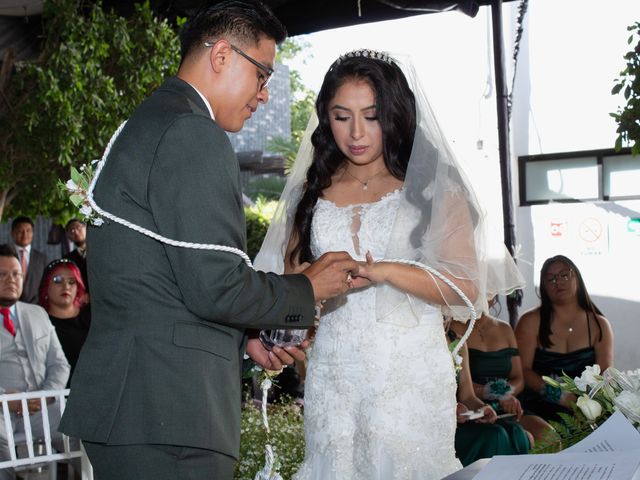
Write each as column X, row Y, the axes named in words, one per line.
column 379, row 398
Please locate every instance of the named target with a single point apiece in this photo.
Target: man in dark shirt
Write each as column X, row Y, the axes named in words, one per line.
column 76, row 231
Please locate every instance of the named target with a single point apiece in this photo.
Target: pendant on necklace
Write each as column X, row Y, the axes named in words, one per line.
column 365, row 185
column 570, row 329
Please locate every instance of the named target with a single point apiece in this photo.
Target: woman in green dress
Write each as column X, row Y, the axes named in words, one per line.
column 496, row 378
column 479, row 433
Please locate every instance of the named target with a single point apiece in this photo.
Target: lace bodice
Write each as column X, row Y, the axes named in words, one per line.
column 379, row 398
column 355, row 228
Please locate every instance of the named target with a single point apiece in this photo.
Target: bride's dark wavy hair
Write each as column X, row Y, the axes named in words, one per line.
column 396, row 112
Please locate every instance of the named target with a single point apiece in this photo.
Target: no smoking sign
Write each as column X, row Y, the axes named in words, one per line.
column 590, row 230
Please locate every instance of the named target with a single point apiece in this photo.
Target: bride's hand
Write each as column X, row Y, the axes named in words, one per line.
column 370, row 272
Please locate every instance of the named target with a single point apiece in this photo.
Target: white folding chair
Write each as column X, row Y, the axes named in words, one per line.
column 48, row 457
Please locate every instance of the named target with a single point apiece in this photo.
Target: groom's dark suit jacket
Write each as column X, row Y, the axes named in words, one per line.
column 163, row 359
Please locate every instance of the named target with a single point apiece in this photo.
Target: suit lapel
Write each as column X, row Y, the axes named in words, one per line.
column 28, row 279
column 26, row 329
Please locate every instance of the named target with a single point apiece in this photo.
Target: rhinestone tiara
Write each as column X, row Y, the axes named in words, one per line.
column 365, row 53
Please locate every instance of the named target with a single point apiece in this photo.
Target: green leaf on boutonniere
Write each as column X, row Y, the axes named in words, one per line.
column 77, row 200
column 77, row 177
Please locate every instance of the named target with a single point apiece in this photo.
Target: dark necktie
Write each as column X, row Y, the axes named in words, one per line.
column 8, row 323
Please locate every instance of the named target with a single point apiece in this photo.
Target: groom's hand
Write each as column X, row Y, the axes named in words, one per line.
column 331, row 275
column 277, row 357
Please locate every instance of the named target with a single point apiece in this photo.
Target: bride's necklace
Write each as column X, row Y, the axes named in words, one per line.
column 364, row 183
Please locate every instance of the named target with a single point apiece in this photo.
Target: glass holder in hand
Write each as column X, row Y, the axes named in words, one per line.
column 282, row 338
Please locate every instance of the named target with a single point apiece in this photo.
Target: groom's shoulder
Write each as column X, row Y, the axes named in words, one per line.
column 175, row 99
column 178, row 97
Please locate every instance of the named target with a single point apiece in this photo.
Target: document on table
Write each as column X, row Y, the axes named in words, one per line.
column 616, row 434
column 570, row 466
column 611, row 452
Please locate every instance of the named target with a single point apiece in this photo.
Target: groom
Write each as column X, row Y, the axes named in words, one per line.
column 156, row 392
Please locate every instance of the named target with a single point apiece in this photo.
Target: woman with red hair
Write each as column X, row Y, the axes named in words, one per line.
column 63, row 295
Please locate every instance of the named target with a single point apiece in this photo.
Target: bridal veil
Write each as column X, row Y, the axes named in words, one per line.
column 439, row 221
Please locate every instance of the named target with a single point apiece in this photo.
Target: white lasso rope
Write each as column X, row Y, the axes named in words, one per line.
column 455, row 288
column 149, row 233
column 269, row 471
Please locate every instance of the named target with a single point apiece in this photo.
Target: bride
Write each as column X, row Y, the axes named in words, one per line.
column 377, row 179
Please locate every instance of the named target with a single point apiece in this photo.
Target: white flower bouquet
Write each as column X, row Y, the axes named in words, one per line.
column 599, row 395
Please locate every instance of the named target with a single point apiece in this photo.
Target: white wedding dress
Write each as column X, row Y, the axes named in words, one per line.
column 379, row 398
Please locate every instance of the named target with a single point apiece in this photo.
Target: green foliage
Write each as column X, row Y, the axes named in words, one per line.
column 95, row 68
column 302, row 104
column 628, row 116
column 287, row 438
column 267, row 188
column 569, row 431
column 290, row 48
column 287, row 147
column 257, row 226
column 258, row 218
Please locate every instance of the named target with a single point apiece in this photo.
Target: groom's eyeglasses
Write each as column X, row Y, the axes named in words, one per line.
column 264, row 78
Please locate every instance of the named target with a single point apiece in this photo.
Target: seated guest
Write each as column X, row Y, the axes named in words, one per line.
column 496, row 372
column 482, row 437
column 62, row 295
column 32, row 261
column 76, row 231
column 566, row 333
column 31, row 357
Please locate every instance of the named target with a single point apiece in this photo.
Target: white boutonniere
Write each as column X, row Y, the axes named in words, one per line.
column 77, row 187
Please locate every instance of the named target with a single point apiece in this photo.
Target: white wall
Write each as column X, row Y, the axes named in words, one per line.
column 568, row 61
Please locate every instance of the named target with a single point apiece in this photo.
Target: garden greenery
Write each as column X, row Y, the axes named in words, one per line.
column 628, row 116
column 60, row 109
column 258, row 217
column 287, row 437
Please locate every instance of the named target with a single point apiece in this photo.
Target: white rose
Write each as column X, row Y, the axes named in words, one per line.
column 86, row 210
column 71, row 185
column 589, row 378
column 629, row 404
column 591, row 408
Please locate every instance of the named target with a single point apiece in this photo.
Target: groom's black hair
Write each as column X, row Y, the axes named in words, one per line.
column 241, row 21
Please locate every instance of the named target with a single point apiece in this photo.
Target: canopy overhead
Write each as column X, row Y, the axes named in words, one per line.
column 307, row 16
column 299, row 16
